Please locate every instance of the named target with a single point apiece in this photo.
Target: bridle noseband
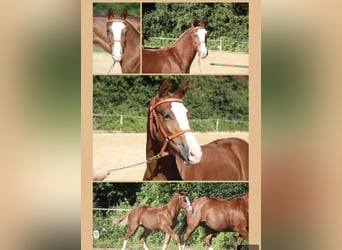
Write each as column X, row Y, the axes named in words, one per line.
column 153, row 116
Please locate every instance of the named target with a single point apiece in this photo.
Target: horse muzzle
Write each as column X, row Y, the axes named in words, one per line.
column 202, row 51
column 117, row 52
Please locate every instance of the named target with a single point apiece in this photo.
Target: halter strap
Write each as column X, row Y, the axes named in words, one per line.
column 167, row 137
column 116, row 20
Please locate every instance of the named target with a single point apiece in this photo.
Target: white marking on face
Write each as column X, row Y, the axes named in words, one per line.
column 190, row 209
column 180, row 112
column 202, row 50
column 117, row 50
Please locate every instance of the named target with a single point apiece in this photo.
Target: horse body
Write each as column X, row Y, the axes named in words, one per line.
column 178, row 57
column 224, row 159
column 162, row 218
column 230, row 162
column 218, row 216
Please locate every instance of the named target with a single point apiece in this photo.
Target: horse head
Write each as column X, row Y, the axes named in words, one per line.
column 116, row 33
column 185, row 202
column 169, row 125
column 200, row 36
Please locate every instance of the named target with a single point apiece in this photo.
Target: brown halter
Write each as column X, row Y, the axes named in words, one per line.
column 198, row 43
column 153, row 116
column 123, row 43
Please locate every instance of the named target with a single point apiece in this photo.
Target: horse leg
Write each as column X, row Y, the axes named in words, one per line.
column 143, row 238
column 170, row 232
column 166, row 241
column 239, row 242
column 131, row 230
column 209, row 235
column 187, row 235
column 243, row 234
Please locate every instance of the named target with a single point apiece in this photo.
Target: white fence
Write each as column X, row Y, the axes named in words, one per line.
column 219, row 44
column 138, row 123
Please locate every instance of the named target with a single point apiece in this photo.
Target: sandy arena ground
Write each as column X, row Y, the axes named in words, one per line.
column 102, row 62
column 115, row 150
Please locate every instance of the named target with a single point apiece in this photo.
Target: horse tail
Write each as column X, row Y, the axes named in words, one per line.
column 242, row 152
column 122, row 220
column 182, row 227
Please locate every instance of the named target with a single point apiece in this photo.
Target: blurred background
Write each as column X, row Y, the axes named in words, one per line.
column 41, row 124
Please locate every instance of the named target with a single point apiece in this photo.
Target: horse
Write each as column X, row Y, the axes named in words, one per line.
column 178, row 57
column 124, row 41
column 100, row 30
column 172, row 151
column 162, row 218
column 217, row 216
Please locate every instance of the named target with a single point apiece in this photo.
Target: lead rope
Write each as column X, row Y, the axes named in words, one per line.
column 111, row 67
column 155, row 157
column 199, row 64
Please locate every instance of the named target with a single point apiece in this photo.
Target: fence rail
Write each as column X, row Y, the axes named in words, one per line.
column 128, row 123
column 217, row 44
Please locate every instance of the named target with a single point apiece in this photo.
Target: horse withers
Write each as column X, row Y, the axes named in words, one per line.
column 218, row 216
column 163, row 218
column 180, row 157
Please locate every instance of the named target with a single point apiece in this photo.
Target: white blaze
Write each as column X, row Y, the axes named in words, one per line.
column 195, row 152
column 190, row 209
column 117, row 51
column 203, row 51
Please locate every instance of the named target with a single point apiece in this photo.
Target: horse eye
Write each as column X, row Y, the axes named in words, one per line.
column 166, row 116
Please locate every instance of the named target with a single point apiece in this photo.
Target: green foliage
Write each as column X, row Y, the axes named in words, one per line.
column 209, row 97
column 102, row 8
column 227, row 22
column 130, row 195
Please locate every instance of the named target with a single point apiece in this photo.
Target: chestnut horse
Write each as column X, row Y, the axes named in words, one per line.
column 179, row 56
column 162, row 218
column 100, row 30
column 173, row 152
column 124, row 41
column 217, row 216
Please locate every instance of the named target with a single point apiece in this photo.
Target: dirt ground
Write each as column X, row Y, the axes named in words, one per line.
column 102, row 62
column 115, row 150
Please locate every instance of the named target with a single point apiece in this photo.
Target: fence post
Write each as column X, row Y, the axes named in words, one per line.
column 217, row 124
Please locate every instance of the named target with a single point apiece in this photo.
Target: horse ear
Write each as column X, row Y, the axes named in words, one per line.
column 110, row 12
column 195, row 23
column 181, row 91
column 124, row 13
column 164, row 88
column 205, row 22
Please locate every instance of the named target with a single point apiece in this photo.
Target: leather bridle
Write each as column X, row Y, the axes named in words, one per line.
column 153, row 117
column 123, row 43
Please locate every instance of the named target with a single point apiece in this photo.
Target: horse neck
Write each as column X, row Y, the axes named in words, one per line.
column 173, row 206
column 132, row 50
column 185, row 47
